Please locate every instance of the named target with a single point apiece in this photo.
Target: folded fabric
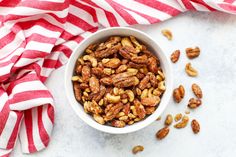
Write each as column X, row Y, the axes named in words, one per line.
column 37, row 37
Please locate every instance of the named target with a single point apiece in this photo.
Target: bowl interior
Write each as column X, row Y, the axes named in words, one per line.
column 101, row 35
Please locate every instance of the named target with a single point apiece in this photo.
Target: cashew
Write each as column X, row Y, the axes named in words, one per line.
column 107, row 71
column 91, row 59
column 126, row 42
column 133, row 110
column 150, row 92
column 85, row 94
column 124, row 101
column 75, row 78
column 112, row 99
column 120, row 114
column 156, row 92
column 80, row 60
column 136, row 81
column 159, row 78
column 132, row 116
column 98, row 119
column 116, row 91
column 105, row 60
column 101, row 102
column 136, row 43
column 144, row 93
column 87, row 90
column 138, row 91
column 123, row 118
column 130, row 95
column 131, row 122
column 161, row 74
column 161, row 85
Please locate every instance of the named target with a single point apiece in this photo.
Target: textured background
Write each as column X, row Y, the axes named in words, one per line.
column 215, row 34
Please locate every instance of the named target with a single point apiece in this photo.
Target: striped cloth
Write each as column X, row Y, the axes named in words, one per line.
column 39, row 36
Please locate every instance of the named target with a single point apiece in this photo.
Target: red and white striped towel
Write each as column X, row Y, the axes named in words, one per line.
column 38, row 36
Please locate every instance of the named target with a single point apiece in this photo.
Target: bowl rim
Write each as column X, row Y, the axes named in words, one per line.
column 128, row 129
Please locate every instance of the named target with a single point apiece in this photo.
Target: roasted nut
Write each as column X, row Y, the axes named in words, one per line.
column 197, row 90
column 106, row 81
column 112, row 98
column 92, row 107
column 192, row 52
column 195, row 126
column 137, row 149
column 169, row 120
column 94, row 84
column 183, row 123
column 150, row 92
column 92, row 59
column 178, row 117
column 118, row 123
column 150, row 110
column 144, row 93
column 159, row 118
column 161, row 86
column 167, row 33
column 126, row 42
column 140, row 59
column 101, row 102
column 162, row 133
column 77, row 91
column 121, row 69
column 194, row 103
column 143, row 83
column 86, row 73
column 141, row 113
column 157, row 92
column 151, row 101
column 153, row 64
column 75, row 78
column 107, row 71
column 111, row 63
column 112, row 110
column 130, row 95
column 98, row 119
column 138, row 91
column 190, row 70
column 175, row 56
column 178, row 93
column 138, row 47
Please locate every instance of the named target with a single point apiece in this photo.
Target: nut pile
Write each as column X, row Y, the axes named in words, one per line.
column 118, row 81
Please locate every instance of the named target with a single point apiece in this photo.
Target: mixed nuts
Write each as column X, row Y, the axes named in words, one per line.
column 118, row 81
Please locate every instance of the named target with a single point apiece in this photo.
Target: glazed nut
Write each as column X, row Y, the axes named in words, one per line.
column 192, row 52
column 162, row 133
column 107, row 71
column 144, row 93
column 124, row 101
column 197, row 90
column 156, row 92
column 159, row 118
column 150, row 90
column 112, row 98
column 161, row 74
column 194, row 103
column 161, row 86
column 190, row 70
column 175, row 56
column 138, row 91
column 105, row 60
column 169, row 120
column 130, row 95
column 98, row 119
column 178, row 117
column 137, row 149
column 126, row 42
column 195, row 126
column 101, row 102
column 75, row 78
column 116, row 91
column 92, row 59
column 167, row 33
column 183, row 123
column 118, row 123
column 178, row 93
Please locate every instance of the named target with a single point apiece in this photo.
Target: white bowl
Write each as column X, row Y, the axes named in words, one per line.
column 152, row 45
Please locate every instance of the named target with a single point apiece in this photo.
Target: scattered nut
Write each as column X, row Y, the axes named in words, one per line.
column 183, row 123
column 175, row 56
column 137, row 149
column 169, row 120
column 195, row 126
column 162, row 133
column 179, row 93
column 178, row 117
column 197, row 90
column 192, row 52
column 194, row 103
column 190, row 70
column 167, row 33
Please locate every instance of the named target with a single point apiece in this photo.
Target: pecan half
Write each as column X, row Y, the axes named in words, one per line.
column 192, row 52
column 178, row 93
column 175, row 56
column 112, row 111
column 194, row 103
column 195, row 126
column 197, row 90
column 94, row 84
column 162, row 133
column 77, row 91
